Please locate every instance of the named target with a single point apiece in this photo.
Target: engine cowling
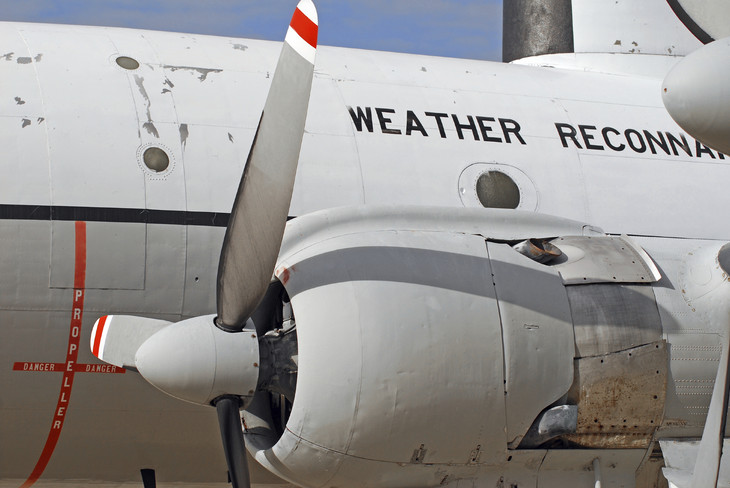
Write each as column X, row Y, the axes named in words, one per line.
column 430, row 347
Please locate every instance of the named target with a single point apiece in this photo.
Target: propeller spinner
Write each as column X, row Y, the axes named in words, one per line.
column 214, row 360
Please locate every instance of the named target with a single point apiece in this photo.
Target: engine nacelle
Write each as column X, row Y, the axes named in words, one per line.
column 430, row 348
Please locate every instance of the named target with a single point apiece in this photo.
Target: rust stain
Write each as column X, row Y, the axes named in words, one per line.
column 283, row 274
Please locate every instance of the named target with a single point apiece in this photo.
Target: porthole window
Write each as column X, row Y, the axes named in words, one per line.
column 497, row 190
column 156, row 159
column 127, row 62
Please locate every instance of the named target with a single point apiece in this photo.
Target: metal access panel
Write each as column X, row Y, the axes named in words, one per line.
column 537, row 332
column 604, row 259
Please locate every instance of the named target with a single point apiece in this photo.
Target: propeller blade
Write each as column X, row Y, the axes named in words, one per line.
column 259, row 214
column 115, row 339
column 229, row 419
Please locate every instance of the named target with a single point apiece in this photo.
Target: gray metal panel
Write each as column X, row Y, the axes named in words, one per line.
column 535, row 27
column 693, row 361
column 609, row 318
column 601, row 259
column 115, row 255
column 537, row 333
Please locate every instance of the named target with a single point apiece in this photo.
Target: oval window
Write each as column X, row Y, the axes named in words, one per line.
column 497, row 190
column 156, row 159
column 127, row 62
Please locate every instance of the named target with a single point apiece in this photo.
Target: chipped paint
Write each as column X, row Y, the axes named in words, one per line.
column 230, row 137
column 38, row 57
column 24, row 60
column 240, row 47
column 184, row 134
column 617, row 43
column 149, row 125
column 41, row 119
column 19, row 101
column 25, row 123
column 168, row 83
column 203, row 72
column 8, row 56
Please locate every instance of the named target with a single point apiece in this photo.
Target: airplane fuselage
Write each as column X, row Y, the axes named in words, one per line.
column 382, row 129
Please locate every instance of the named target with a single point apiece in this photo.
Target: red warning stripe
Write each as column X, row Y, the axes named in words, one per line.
column 304, row 26
column 72, row 353
column 97, row 338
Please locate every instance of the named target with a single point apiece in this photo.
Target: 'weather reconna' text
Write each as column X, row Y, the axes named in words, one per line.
column 507, row 130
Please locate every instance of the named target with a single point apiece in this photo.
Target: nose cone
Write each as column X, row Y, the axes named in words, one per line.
column 696, row 93
column 195, row 361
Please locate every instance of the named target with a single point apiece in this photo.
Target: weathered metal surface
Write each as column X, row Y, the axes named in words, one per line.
column 609, row 318
column 604, row 259
column 620, row 397
column 535, row 27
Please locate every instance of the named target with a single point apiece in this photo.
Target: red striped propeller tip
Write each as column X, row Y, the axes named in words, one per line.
column 98, row 335
column 302, row 33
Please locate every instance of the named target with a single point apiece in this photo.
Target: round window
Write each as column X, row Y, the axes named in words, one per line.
column 497, row 190
column 156, row 159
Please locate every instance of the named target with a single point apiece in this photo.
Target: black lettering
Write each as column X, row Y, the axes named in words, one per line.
column 587, row 138
column 471, row 126
column 385, row 120
column 486, row 129
column 361, row 117
column 605, row 132
column 412, row 123
column 639, row 149
column 567, row 131
column 683, row 144
column 701, row 148
column 661, row 142
column 515, row 129
column 438, row 117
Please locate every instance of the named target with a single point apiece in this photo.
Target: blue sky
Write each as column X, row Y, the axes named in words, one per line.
column 455, row 28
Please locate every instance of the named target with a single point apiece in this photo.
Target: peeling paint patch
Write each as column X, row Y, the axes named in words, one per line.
column 38, row 57
column 168, row 83
column 19, row 101
column 202, row 72
column 8, row 56
column 165, row 90
column 240, row 47
column 184, row 134
column 617, row 43
column 150, row 127
column 423, row 68
column 25, row 123
column 41, row 119
column 24, row 60
column 230, row 137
